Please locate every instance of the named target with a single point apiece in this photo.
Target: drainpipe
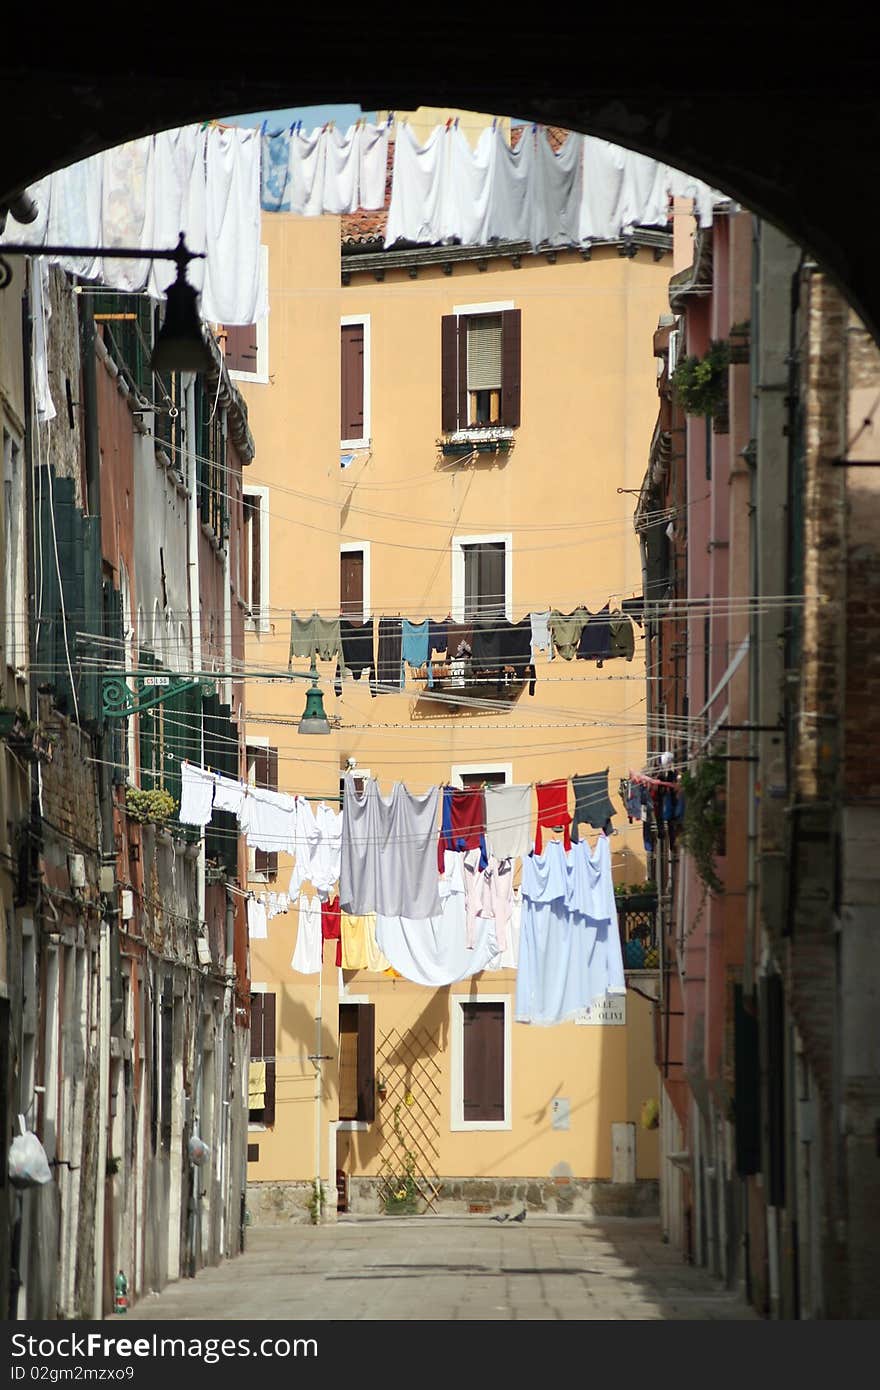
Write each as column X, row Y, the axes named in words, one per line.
column 319, row 1189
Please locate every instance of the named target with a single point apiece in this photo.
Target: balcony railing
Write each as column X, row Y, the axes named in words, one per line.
column 637, row 919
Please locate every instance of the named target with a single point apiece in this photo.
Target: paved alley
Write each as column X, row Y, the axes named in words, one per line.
column 448, row 1268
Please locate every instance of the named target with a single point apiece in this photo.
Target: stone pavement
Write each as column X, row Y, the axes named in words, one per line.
column 454, row 1267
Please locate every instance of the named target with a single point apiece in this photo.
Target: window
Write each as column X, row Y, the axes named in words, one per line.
column 263, row 772
column 247, row 346
column 357, row 1063
column 467, row 775
column 255, row 556
column 481, row 576
column 481, row 1062
column 354, row 426
column 261, row 1079
column 481, row 367
column 15, row 621
column 354, row 581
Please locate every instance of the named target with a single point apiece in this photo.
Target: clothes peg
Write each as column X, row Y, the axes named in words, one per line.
column 264, row 125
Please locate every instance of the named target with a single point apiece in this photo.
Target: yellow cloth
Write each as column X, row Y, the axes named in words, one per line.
column 359, row 949
column 256, row 1085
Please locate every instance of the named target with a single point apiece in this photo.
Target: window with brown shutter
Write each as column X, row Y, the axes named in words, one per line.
column 241, row 348
column 351, row 584
column 357, row 1062
column 481, row 376
column 253, row 553
column 352, row 383
column 265, row 764
column 483, row 1062
column 263, row 1050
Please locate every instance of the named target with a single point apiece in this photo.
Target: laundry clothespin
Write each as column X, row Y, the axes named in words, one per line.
column 264, row 125
column 448, row 122
column 494, row 122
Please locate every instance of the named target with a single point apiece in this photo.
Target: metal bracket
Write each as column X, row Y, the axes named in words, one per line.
column 118, row 701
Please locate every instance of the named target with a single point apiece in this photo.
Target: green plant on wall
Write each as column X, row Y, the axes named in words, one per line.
column 316, row 1202
column 703, row 827
column 700, row 383
column 402, row 1198
column 145, row 806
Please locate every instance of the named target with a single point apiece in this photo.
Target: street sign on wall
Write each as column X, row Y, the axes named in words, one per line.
column 602, row 1012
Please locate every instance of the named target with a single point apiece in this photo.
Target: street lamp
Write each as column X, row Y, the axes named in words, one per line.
column 181, row 345
column 118, row 701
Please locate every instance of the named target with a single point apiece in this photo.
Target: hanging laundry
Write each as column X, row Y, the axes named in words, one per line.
column 635, row 608
column 357, row 652
column 196, row 795
column 433, row 950
column 516, row 650
column 595, row 639
column 234, row 288
column 314, row 636
column 592, row 804
column 438, row 637
column 486, row 643
column 553, row 813
column 488, row 893
column 621, row 638
column 326, row 853
column 309, row 940
column 569, row 947
column 229, row 794
column 463, row 825
column 256, row 916
column 276, row 904
column 306, row 835
column 508, row 820
column 508, row 959
column 541, row 639
column 266, row 819
column 331, row 925
column 389, row 659
column 325, row 172
column 359, row 948
column 416, row 647
column 256, row 1085
column 388, row 862
column 566, row 629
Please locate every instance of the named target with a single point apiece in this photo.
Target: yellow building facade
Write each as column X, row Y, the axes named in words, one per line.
column 373, row 491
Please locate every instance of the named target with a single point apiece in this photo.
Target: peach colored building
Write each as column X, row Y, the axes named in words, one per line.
column 370, row 489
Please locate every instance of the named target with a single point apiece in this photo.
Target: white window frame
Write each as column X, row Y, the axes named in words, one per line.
column 364, row 320
column 496, row 306
column 457, row 1122
column 251, row 625
column 458, row 589
column 261, row 376
column 350, row 1126
column 351, row 548
column 459, row 768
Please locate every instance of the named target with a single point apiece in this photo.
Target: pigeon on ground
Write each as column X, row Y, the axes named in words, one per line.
column 502, row 1216
column 521, row 1217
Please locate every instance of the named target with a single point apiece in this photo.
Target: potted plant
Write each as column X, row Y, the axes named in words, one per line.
column 702, row 833
column 155, row 806
column 13, row 721
column 700, row 383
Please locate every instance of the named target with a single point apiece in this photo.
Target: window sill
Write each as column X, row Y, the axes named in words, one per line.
column 457, row 1126
column 482, row 439
column 349, row 1126
column 347, row 445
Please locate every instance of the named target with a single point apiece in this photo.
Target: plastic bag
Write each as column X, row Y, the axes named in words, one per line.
column 198, row 1150
column 28, row 1164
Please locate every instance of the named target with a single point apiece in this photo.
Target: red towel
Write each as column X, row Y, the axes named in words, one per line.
column 331, row 925
column 464, row 823
column 553, row 811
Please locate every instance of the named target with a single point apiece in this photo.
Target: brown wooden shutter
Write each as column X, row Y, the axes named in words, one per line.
column 483, row 1062
column 352, row 392
column 351, row 584
column 449, row 373
column 366, row 1063
column 269, row 1055
column 348, row 1059
column 511, row 366
column 256, row 1027
column 241, row 348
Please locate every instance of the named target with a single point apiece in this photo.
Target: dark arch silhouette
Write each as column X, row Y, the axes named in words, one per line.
column 783, row 114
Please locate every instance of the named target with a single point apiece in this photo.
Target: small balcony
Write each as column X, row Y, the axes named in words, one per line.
column 637, row 920
column 502, row 686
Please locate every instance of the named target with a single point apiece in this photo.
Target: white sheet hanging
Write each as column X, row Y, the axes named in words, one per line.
column 234, row 291
column 127, row 210
column 179, row 203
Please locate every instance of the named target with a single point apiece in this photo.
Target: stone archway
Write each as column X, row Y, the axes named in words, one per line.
column 782, row 115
